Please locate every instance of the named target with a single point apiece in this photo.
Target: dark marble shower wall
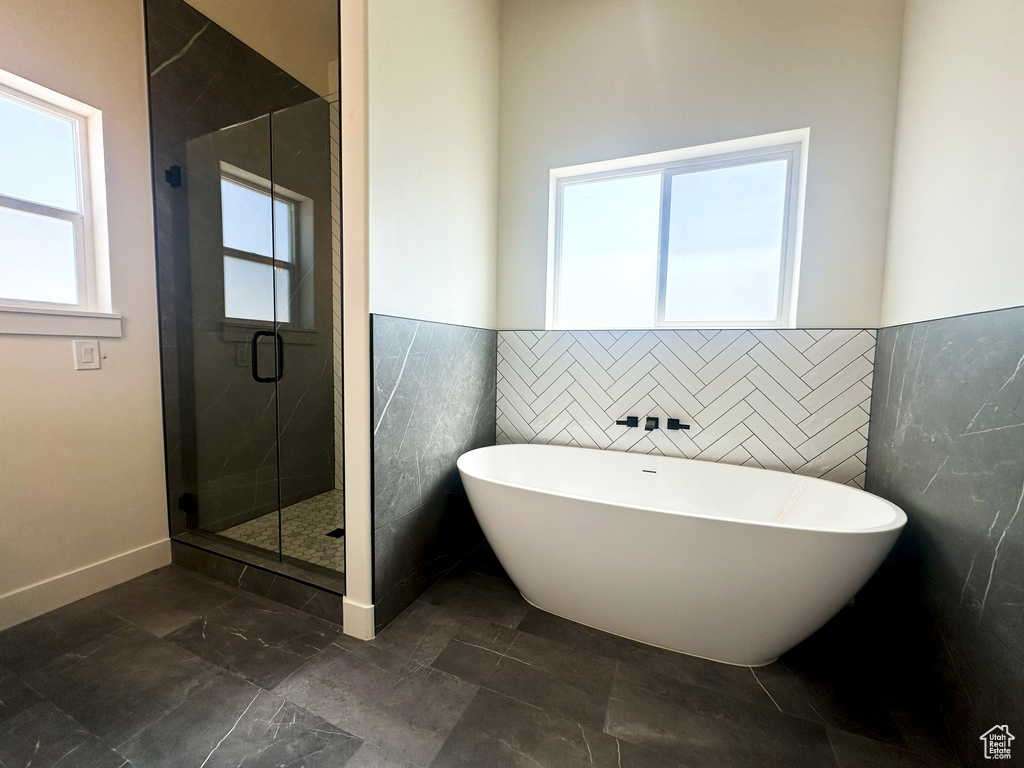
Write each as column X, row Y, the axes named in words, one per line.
column 433, row 400
column 947, row 445
column 203, row 79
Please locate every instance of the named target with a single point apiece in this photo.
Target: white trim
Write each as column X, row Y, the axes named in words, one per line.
column 40, row 321
column 36, row 599
column 685, row 153
column 357, row 619
column 789, row 145
column 355, row 304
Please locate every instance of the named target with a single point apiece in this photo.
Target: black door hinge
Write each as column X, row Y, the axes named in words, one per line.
column 189, row 504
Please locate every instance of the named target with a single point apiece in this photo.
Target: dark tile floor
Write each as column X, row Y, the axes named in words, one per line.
column 172, row 669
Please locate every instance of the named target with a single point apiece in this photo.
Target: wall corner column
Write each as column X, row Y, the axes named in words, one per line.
column 356, row 320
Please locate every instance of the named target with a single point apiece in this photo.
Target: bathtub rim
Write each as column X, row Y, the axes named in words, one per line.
column 899, row 521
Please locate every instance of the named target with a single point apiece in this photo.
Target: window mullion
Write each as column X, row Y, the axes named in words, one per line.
column 40, row 209
column 257, row 258
column 663, row 223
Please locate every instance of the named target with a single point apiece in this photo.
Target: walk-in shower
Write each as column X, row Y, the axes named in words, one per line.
column 245, row 149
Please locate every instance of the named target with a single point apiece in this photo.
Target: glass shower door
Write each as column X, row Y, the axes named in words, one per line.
column 309, row 322
column 259, row 218
column 236, row 353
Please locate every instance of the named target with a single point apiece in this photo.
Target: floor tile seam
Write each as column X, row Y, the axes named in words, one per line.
column 950, row 741
column 907, row 750
column 302, row 759
column 77, row 722
column 192, row 694
column 573, row 650
column 379, row 706
column 656, row 749
column 787, row 716
column 497, row 663
column 82, row 686
column 405, row 764
column 228, row 667
column 935, row 762
column 308, row 663
column 259, row 692
column 570, row 678
column 224, row 667
column 170, row 632
column 507, row 695
column 563, row 718
column 773, row 707
column 670, row 753
column 89, row 731
column 944, row 728
column 19, row 675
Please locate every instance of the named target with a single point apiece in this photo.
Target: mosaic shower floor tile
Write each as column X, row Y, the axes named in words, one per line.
column 305, row 529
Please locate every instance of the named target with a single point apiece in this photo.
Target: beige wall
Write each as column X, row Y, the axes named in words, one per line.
column 956, row 238
column 300, row 36
column 81, row 454
column 433, row 140
column 589, row 80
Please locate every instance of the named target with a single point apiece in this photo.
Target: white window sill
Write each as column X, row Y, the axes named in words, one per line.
column 29, row 321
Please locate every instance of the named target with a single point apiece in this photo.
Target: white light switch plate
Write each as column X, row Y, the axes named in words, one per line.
column 87, row 354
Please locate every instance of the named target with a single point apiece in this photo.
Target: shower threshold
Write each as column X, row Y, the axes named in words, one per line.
column 309, row 540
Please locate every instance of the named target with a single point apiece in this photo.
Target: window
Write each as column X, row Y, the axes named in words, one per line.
column 260, row 247
column 47, row 212
column 703, row 237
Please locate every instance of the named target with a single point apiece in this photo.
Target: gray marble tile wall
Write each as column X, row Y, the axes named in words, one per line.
column 433, row 400
column 947, row 445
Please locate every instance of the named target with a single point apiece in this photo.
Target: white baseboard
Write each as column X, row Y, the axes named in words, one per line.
column 36, row 599
column 358, row 619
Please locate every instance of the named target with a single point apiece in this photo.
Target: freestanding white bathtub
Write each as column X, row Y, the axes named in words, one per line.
column 733, row 564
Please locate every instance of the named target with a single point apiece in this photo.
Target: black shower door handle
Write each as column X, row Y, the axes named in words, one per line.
column 279, row 371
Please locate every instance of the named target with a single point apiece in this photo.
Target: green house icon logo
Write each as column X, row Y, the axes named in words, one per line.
column 997, row 742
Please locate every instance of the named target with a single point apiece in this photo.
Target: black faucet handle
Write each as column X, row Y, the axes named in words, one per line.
column 629, row 421
column 675, row 424
column 652, row 423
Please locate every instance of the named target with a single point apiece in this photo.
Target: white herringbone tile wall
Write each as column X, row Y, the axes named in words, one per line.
column 794, row 400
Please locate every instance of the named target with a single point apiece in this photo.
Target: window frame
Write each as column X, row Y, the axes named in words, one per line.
column 82, row 220
column 791, row 146
column 294, row 202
